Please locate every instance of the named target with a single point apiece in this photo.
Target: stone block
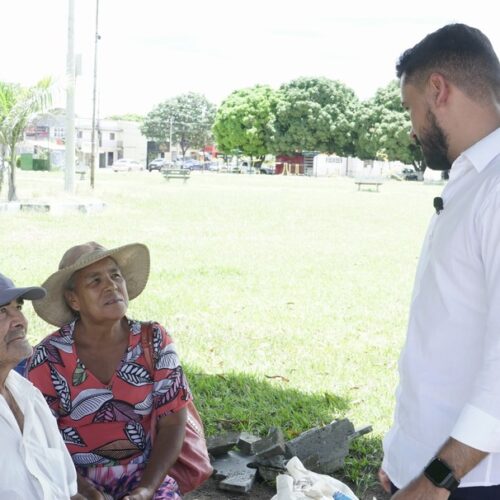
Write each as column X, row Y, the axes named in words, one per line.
column 272, row 444
column 269, row 468
column 233, row 472
column 246, row 442
column 322, row 449
column 222, row 443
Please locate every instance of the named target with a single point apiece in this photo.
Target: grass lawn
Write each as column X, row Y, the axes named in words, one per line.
column 287, row 296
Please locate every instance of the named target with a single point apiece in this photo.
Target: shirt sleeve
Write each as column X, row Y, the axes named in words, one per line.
column 171, row 391
column 478, row 425
column 38, row 372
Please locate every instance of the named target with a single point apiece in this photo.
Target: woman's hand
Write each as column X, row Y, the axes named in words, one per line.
column 139, row 493
column 385, row 482
column 90, row 494
column 87, row 491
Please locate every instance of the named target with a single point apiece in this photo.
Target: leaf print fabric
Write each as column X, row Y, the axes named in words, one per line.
column 109, row 425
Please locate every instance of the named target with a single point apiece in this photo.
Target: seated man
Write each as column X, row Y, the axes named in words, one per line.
column 34, row 461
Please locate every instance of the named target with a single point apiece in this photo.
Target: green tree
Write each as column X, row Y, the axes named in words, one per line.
column 129, row 117
column 187, row 119
column 244, row 122
column 17, row 105
column 315, row 114
column 383, row 129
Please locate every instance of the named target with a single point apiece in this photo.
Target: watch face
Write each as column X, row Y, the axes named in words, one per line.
column 438, row 471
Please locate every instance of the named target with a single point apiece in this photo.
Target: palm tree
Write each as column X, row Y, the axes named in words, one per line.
column 17, row 105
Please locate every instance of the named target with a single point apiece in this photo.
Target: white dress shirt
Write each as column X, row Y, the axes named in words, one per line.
column 34, row 464
column 450, row 364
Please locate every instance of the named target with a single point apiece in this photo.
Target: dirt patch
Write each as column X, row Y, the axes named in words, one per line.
column 260, row 491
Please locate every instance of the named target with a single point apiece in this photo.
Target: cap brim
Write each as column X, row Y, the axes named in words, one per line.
column 28, row 293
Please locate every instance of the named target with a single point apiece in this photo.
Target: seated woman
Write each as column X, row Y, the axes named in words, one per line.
column 95, row 377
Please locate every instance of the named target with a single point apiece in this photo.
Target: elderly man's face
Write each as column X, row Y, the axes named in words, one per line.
column 14, row 345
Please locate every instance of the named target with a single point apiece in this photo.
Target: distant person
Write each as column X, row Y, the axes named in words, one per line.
column 95, row 375
column 445, row 440
column 34, row 461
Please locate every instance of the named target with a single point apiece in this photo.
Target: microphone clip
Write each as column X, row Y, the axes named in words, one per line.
column 438, row 204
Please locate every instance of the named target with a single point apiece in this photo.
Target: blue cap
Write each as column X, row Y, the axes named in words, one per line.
column 8, row 292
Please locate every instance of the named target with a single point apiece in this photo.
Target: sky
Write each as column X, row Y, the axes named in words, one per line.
column 153, row 50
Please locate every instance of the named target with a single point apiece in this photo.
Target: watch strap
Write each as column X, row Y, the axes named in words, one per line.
column 449, row 481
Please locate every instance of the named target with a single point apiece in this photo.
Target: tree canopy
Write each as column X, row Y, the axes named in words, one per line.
column 188, row 118
column 17, row 105
column 244, row 122
column 383, row 129
column 128, row 117
column 315, row 114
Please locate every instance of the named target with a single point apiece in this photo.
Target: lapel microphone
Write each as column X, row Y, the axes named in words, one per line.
column 438, row 204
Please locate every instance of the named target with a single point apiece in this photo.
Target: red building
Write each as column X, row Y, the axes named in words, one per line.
column 290, row 164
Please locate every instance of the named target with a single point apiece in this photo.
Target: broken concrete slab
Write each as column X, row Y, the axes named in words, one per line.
column 246, row 442
column 272, row 444
column 233, row 471
column 222, row 443
column 240, row 482
column 270, row 468
column 323, row 449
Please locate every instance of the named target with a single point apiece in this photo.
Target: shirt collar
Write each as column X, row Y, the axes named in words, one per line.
column 20, row 387
column 482, row 152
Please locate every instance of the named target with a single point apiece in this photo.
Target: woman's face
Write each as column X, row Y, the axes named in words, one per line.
column 100, row 292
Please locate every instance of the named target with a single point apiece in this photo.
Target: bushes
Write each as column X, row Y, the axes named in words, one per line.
column 39, row 164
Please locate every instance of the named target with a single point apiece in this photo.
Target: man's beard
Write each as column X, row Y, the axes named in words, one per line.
column 434, row 145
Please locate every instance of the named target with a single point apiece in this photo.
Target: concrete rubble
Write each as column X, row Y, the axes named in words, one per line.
column 238, row 458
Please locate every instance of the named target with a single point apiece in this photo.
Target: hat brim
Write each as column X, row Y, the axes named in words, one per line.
column 28, row 293
column 133, row 261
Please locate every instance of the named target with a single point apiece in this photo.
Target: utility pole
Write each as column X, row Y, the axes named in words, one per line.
column 69, row 167
column 170, row 139
column 93, row 150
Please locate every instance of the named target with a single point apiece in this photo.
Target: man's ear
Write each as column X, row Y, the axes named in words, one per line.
column 439, row 89
column 71, row 300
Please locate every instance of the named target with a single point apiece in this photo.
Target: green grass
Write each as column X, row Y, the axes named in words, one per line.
column 287, row 296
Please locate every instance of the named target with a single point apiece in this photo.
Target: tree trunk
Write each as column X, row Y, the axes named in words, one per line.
column 3, row 166
column 12, row 176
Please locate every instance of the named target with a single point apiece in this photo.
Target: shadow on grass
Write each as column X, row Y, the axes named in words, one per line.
column 242, row 402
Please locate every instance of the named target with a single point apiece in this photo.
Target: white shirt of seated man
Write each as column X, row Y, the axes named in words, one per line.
column 34, row 461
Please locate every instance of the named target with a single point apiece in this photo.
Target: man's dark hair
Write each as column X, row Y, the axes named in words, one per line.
column 462, row 54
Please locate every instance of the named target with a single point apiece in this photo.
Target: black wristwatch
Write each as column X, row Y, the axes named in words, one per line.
column 439, row 473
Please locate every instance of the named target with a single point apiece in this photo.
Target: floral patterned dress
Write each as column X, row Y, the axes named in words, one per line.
column 106, row 427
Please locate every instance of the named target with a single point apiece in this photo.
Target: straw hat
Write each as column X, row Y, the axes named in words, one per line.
column 132, row 259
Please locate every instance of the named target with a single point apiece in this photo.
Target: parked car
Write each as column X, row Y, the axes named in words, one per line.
column 408, row 174
column 126, row 165
column 267, row 170
column 157, row 164
column 191, row 164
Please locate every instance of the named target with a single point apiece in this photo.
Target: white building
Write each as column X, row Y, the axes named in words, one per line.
column 114, row 140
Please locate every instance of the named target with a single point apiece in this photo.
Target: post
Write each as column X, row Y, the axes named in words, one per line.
column 170, row 140
column 93, row 147
column 69, row 168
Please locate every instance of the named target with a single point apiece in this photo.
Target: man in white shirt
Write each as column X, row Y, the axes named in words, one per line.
column 34, row 461
column 445, row 440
